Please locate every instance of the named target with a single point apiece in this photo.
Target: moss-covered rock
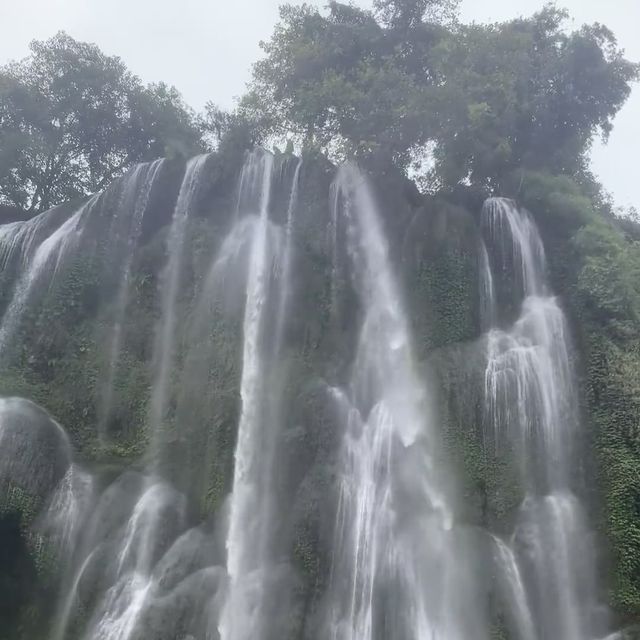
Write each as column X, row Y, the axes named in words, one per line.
column 61, row 357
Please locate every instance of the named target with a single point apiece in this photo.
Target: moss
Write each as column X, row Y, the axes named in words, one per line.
column 440, row 265
column 614, row 397
column 18, row 580
column 16, row 500
column 489, row 481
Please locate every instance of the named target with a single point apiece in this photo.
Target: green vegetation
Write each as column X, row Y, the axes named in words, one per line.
column 72, row 119
column 404, row 80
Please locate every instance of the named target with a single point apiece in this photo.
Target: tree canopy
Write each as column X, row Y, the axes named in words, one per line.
column 407, row 77
column 404, row 83
column 527, row 94
column 345, row 82
column 73, row 118
column 405, row 14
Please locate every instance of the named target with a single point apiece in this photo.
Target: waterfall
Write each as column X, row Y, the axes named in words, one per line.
column 334, row 197
column 517, row 245
column 290, row 477
column 37, row 250
column 399, row 561
column 39, row 259
column 157, row 515
column 242, row 542
column 285, row 278
column 170, row 284
column 67, row 510
column 251, row 561
column 514, row 591
column 156, row 512
column 133, row 535
column 134, row 200
column 159, row 505
column 131, row 539
column 532, row 410
column 487, row 290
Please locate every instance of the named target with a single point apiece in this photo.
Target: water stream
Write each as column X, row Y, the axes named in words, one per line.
column 251, row 558
column 134, row 201
column 532, row 410
column 399, row 561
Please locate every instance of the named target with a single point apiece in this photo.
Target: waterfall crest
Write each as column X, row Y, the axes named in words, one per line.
column 532, row 409
column 397, row 553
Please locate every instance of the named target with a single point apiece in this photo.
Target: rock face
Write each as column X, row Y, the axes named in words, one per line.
column 34, row 458
column 290, row 396
column 34, row 452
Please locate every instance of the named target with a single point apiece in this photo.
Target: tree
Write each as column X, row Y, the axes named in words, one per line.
column 342, row 82
column 223, row 129
column 72, row 119
column 406, row 82
column 405, row 14
column 526, row 94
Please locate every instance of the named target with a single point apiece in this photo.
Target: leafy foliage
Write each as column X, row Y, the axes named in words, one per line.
column 403, row 80
column 527, row 94
column 228, row 130
column 339, row 82
column 404, row 14
column 73, row 118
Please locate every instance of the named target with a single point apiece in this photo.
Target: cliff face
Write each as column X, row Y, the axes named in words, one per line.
column 85, row 325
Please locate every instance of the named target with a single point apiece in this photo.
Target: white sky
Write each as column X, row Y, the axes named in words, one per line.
column 206, row 47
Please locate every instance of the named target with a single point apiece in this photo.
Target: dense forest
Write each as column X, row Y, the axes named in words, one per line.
column 395, row 232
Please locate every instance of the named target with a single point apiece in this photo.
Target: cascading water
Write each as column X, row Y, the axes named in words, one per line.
column 165, row 334
column 241, row 615
column 159, row 506
column 66, row 511
column 487, row 291
column 134, row 200
column 251, row 564
column 513, row 591
column 190, row 547
column 38, row 258
column 531, row 402
column 285, row 278
column 126, row 553
column 37, row 252
column 399, row 568
column 39, row 248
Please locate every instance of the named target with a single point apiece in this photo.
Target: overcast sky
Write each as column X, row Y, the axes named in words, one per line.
column 205, row 48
